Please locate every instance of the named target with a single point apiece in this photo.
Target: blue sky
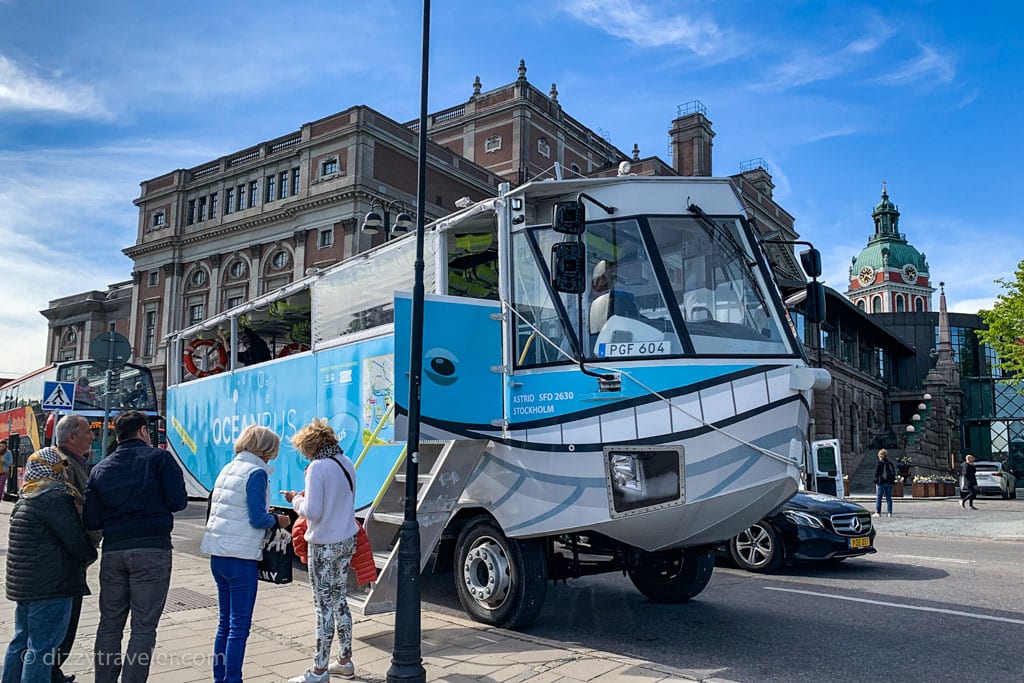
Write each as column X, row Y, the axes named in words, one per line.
column 835, row 96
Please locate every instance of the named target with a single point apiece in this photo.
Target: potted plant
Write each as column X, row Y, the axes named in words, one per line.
column 903, row 466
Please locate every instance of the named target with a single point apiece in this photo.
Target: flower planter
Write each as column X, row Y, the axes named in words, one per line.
column 897, row 490
column 919, row 490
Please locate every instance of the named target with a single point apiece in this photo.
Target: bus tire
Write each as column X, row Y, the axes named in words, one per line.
column 500, row 581
column 672, row 576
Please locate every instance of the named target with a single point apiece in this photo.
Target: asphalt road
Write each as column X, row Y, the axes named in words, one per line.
column 943, row 599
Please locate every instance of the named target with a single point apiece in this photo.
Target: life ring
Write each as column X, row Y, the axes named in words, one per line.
column 215, row 357
column 294, row 347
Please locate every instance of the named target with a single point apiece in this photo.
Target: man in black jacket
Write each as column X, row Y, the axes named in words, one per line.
column 46, row 550
column 132, row 496
column 885, row 477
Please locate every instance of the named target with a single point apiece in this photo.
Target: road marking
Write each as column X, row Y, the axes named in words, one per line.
column 882, row 603
column 934, row 559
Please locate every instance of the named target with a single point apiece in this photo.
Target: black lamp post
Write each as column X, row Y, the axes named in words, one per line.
column 373, row 221
column 406, row 660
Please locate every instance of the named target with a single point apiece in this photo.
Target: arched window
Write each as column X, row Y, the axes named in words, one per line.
column 876, row 304
column 900, row 304
column 919, row 304
column 860, row 305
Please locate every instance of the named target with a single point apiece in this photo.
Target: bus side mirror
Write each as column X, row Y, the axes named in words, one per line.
column 814, row 304
column 569, row 218
column 810, row 259
column 568, row 267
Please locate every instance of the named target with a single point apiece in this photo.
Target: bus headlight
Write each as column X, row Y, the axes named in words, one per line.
column 640, row 478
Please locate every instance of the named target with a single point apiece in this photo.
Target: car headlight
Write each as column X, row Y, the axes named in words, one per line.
column 803, row 519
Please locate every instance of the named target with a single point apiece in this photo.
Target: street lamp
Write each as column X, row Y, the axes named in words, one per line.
column 373, row 221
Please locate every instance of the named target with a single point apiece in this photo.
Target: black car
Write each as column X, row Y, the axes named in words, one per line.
column 811, row 527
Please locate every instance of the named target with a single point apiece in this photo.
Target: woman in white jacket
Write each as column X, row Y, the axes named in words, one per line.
column 328, row 504
column 235, row 530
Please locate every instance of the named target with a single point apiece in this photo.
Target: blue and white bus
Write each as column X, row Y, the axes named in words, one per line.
column 610, row 377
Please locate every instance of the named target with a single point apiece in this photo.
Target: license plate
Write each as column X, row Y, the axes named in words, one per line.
column 860, row 542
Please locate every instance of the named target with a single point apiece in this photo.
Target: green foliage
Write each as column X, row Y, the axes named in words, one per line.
column 1005, row 333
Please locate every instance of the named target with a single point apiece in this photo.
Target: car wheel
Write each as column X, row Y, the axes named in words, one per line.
column 673, row 576
column 758, row 549
column 1006, row 495
column 500, row 581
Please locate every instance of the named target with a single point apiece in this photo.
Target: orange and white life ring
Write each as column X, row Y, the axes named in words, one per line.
column 204, row 357
column 289, row 349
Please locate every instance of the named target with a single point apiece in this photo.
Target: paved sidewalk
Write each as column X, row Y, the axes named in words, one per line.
column 281, row 642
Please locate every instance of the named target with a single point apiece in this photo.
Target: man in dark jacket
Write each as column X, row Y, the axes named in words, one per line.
column 74, row 438
column 46, row 551
column 885, row 477
column 132, row 496
column 968, row 482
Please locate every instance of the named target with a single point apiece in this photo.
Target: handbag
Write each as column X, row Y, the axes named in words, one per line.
column 276, row 564
column 362, row 562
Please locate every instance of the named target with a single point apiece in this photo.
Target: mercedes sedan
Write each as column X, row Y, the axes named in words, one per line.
column 811, row 527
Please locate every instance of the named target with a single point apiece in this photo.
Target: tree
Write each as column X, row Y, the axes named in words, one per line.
column 1005, row 333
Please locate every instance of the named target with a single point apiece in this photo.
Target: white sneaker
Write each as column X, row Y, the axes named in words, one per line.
column 877, row 514
column 890, row 514
column 346, row 670
column 310, row 677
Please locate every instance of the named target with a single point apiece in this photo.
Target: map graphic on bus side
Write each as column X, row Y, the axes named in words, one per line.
column 377, row 393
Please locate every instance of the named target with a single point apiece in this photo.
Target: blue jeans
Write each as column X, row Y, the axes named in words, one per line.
column 131, row 581
column 883, row 490
column 236, row 592
column 39, row 627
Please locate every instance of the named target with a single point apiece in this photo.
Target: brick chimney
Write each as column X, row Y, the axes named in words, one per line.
column 691, row 136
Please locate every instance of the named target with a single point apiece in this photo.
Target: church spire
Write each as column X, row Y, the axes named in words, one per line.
column 886, row 215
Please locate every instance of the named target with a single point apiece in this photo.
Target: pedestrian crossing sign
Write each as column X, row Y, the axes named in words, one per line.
column 58, row 395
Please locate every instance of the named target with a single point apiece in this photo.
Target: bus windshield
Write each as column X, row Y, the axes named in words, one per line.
column 657, row 286
column 130, row 387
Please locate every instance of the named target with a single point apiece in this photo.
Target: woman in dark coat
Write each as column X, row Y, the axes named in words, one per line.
column 968, row 482
column 47, row 551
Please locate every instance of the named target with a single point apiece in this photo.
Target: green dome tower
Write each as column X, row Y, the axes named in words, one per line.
column 889, row 275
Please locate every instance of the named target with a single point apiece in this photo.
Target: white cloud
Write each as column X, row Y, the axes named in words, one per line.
column 23, row 91
column 929, row 66
column 640, row 24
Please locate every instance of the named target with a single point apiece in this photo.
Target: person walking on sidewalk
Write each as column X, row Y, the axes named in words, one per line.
column 6, row 466
column 885, row 477
column 73, row 437
column 46, row 550
column 968, row 482
column 238, row 522
column 328, row 504
column 132, row 496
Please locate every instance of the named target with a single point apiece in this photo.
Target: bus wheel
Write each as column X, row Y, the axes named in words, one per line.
column 500, row 581
column 672, row 576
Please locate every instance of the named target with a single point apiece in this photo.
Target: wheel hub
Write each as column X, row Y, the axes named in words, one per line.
column 754, row 545
column 486, row 573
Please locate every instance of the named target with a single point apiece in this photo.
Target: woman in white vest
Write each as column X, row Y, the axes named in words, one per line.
column 238, row 522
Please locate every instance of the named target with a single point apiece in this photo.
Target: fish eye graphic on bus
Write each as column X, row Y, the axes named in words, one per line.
column 442, row 366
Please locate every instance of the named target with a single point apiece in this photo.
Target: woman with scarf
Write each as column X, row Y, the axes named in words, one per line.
column 328, row 504
column 46, row 552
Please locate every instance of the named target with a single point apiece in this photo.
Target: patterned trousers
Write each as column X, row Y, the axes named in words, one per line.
column 328, row 576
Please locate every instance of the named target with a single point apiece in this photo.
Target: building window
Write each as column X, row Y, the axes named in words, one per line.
column 326, row 238
column 575, row 169
column 70, row 337
column 213, row 205
column 198, row 278
column 154, row 278
column 919, row 304
column 492, row 144
column 543, row 148
column 229, row 200
column 234, row 297
column 329, row 167
column 254, row 193
column 271, row 187
column 876, row 305
column 234, row 301
column 202, row 209
column 860, row 304
column 191, row 217
column 196, row 313
column 149, row 333
column 241, row 197
column 159, row 218
column 237, row 269
column 295, row 181
column 900, row 305
column 67, row 355
column 279, row 260
column 284, row 185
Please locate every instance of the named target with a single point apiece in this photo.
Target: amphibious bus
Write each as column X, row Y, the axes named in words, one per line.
column 611, row 382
